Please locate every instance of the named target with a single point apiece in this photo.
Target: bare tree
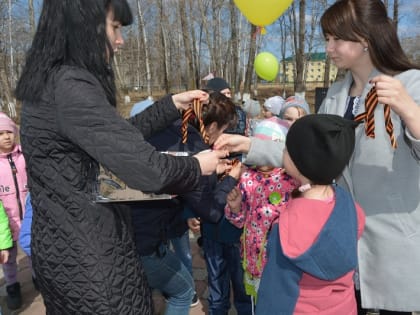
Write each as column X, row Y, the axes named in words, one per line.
column 203, row 6
column 234, row 45
column 395, row 15
column 142, row 30
column 187, row 45
column 251, row 59
column 300, row 49
column 164, row 43
column 31, row 13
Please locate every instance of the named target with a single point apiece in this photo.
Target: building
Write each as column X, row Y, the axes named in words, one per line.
column 314, row 68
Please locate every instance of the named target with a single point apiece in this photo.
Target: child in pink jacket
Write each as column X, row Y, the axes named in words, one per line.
column 256, row 204
column 13, row 190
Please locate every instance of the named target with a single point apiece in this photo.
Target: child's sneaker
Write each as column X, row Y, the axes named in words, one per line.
column 194, row 301
column 14, row 298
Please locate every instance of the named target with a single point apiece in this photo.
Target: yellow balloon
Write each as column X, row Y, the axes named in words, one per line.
column 266, row 66
column 262, row 12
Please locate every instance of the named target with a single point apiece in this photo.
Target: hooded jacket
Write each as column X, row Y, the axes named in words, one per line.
column 8, row 188
column 305, row 278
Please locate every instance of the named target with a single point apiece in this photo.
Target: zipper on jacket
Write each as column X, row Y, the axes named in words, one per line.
column 14, row 172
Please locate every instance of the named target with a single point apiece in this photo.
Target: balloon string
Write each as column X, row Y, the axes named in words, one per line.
column 257, row 31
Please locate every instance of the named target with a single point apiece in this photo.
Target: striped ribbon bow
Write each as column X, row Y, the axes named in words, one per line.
column 368, row 116
column 196, row 110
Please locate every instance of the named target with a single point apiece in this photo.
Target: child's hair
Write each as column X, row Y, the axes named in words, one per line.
column 220, row 110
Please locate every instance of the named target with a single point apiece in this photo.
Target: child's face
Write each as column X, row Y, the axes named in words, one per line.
column 267, row 113
column 7, row 141
column 226, row 92
column 291, row 114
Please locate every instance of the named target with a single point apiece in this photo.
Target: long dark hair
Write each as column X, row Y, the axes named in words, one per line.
column 71, row 32
column 354, row 20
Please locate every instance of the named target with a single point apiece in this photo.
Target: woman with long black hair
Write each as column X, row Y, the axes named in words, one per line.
column 83, row 252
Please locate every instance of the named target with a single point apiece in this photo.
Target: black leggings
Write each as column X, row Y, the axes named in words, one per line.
column 363, row 311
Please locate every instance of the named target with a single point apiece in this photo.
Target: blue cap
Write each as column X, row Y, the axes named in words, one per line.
column 140, row 106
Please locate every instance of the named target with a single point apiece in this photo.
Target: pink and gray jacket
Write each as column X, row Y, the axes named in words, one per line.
column 8, row 188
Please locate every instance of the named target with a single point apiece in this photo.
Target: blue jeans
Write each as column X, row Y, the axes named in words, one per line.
column 165, row 272
column 223, row 267
column 182, row 249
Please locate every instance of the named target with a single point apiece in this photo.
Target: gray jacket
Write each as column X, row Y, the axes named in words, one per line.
column 386, row 183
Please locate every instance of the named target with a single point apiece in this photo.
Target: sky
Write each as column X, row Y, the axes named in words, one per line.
column 409, row 25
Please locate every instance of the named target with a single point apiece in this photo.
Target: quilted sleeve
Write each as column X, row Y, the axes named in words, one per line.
column 156, row 117
column 87, row 119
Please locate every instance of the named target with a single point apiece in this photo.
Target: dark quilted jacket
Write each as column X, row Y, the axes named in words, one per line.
column 83, row 252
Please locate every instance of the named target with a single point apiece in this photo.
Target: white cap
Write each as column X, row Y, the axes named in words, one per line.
column 274, row 104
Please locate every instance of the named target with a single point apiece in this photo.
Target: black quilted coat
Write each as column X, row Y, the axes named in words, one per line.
column 84, row 255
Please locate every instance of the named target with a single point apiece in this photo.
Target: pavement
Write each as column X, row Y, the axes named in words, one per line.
column 33, row 303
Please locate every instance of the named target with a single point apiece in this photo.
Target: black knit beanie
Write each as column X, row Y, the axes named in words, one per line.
column 321, row 145
column 217, row 84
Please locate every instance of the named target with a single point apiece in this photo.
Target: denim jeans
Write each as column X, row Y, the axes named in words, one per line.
column 181, row 247
column 223, row 267
column 168, row 274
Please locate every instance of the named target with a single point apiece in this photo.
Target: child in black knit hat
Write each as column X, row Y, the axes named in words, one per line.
column 312, row 251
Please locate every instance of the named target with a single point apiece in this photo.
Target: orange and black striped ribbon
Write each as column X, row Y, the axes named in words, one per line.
column 186, row 116
column 368, row 116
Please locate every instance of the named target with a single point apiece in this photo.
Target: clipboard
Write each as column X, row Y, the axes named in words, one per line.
column 111, row 189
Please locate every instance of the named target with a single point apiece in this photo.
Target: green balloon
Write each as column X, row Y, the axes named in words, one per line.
column 266, row 66
column 275, row 198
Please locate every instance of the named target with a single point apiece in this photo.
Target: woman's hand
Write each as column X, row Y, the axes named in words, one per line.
column 184, row 100
column 392, row 92
column 234, row 200
column 210, row 159
column 233, row 143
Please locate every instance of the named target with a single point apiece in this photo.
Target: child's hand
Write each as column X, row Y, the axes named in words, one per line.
column 234, row 200
column 194, row 225
column 224, row 166
column 4, row 256
column 236, row 169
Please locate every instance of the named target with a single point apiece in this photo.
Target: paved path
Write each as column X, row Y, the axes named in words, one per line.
column 33, row 304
